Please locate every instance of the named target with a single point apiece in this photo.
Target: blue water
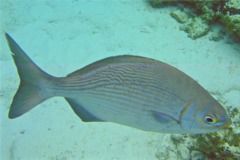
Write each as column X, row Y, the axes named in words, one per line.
column 63, row 36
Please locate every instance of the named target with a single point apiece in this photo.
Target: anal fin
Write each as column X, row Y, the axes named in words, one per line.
column 84, row 114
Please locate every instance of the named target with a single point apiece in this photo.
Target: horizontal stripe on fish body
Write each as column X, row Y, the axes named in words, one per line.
column 144, row 91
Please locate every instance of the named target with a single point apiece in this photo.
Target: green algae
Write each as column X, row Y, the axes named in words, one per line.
column 225, row 12
column 160, row 3
column 195, row 27
column 232, row 24
column 217, row 146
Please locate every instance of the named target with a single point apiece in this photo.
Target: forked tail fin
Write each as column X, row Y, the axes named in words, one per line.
column 33, row 82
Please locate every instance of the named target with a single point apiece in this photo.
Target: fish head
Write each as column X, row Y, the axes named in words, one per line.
column 204, row 117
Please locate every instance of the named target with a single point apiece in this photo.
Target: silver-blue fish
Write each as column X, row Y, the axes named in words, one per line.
column 134, row 91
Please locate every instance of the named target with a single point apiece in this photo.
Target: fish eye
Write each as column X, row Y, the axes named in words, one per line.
column 210, row 119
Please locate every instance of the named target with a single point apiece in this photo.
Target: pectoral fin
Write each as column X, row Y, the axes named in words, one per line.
column 163, row 118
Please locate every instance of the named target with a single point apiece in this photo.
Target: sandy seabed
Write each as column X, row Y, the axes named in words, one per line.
column 63, row 36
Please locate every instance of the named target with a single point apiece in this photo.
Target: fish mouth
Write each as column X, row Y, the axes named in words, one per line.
column 227, row 124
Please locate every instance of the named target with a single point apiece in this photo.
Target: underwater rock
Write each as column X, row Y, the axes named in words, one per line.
column 180, row 16
column 195, row 27
column 225, row 12
column 217, row 35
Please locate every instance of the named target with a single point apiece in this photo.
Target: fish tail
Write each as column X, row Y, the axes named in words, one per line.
column 33, row 88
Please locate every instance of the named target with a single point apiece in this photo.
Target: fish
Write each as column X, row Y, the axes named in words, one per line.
column 129, row 90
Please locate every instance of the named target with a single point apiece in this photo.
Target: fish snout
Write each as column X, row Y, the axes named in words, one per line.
column 227, row 123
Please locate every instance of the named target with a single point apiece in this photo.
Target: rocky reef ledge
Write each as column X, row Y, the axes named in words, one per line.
column 197, row 16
